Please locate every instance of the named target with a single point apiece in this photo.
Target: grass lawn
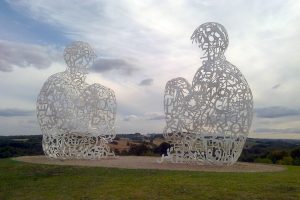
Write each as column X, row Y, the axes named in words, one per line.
column 34, row 181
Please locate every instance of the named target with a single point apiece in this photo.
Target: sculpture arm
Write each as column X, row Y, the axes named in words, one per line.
column 176, row 94
column 55, row 106
column 46, row 103
column 101, row 106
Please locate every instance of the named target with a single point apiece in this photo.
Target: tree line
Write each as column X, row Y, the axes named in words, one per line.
column 285, row 152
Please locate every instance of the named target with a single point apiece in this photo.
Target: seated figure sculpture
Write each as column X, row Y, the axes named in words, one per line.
column 208, row 121
column 76, row 119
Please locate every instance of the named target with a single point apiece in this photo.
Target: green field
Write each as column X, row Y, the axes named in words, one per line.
column 33, row 181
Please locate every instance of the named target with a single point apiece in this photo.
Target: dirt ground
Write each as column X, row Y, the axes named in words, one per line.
column 144, row 162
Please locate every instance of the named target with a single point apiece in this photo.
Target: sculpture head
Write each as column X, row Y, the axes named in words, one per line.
column 212, row 38
column 78, row 57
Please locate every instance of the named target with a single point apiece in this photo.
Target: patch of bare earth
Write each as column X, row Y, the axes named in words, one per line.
column 145, row 162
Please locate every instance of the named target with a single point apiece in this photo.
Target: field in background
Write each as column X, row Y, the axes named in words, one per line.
column 33, row 181
column 286, row 152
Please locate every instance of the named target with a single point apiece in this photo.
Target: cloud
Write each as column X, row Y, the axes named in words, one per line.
column 154, row 116
column 14, row 112
column 32, row 121
column 145, row 117
column 276, row 86
column 268, row 130
column 276, row 112
column 130, row 118
column 103, row 65
column 13, row 54
column 146, row 82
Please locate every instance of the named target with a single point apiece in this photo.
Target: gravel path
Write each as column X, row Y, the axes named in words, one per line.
column 144, row 162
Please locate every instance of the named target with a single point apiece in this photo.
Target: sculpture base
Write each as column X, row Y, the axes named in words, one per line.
column 76, row 146
column 145, row 162
column 205, row 150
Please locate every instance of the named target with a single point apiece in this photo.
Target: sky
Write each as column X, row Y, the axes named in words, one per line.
column 140, row 46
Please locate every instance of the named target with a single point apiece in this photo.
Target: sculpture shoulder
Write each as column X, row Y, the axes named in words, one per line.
column 99, row 91
column 99, row 87
column 218, row 71
column 236, row 77
column 53, row 84
column 232, row 69
column 55, row 79
column 178, row 82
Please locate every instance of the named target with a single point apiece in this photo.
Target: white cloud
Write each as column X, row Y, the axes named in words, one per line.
column 130, row 118
column 276, row 112
column 154, row 116
column 146, row 82
column 12, row 112
column 114, row 65
column 14, row 54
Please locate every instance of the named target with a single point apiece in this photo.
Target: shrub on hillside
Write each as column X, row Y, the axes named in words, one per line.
column 263, row 160
column 287, row 160
column 277, row 155
column 138, row 150
column 295, row 154
column 296, row 162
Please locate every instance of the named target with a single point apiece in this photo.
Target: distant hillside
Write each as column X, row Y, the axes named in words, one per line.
column 277, row 151
column 12, row 146
column 255, row 150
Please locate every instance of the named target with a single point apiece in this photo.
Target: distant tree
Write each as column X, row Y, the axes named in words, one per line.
column 124, row 152
column 277, row 155
column 287, row 160
column 138, row 150
column 263, row 160
column 247, row 156
column 295, row 154
column 296, row 161
column 117, row 152
column 12, row 146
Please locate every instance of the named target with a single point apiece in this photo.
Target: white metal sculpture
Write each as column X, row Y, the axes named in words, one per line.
column 76, row 119
column 208, row 121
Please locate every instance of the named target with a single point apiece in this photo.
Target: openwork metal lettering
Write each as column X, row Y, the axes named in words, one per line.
column 76, row 119
column 208, row 121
